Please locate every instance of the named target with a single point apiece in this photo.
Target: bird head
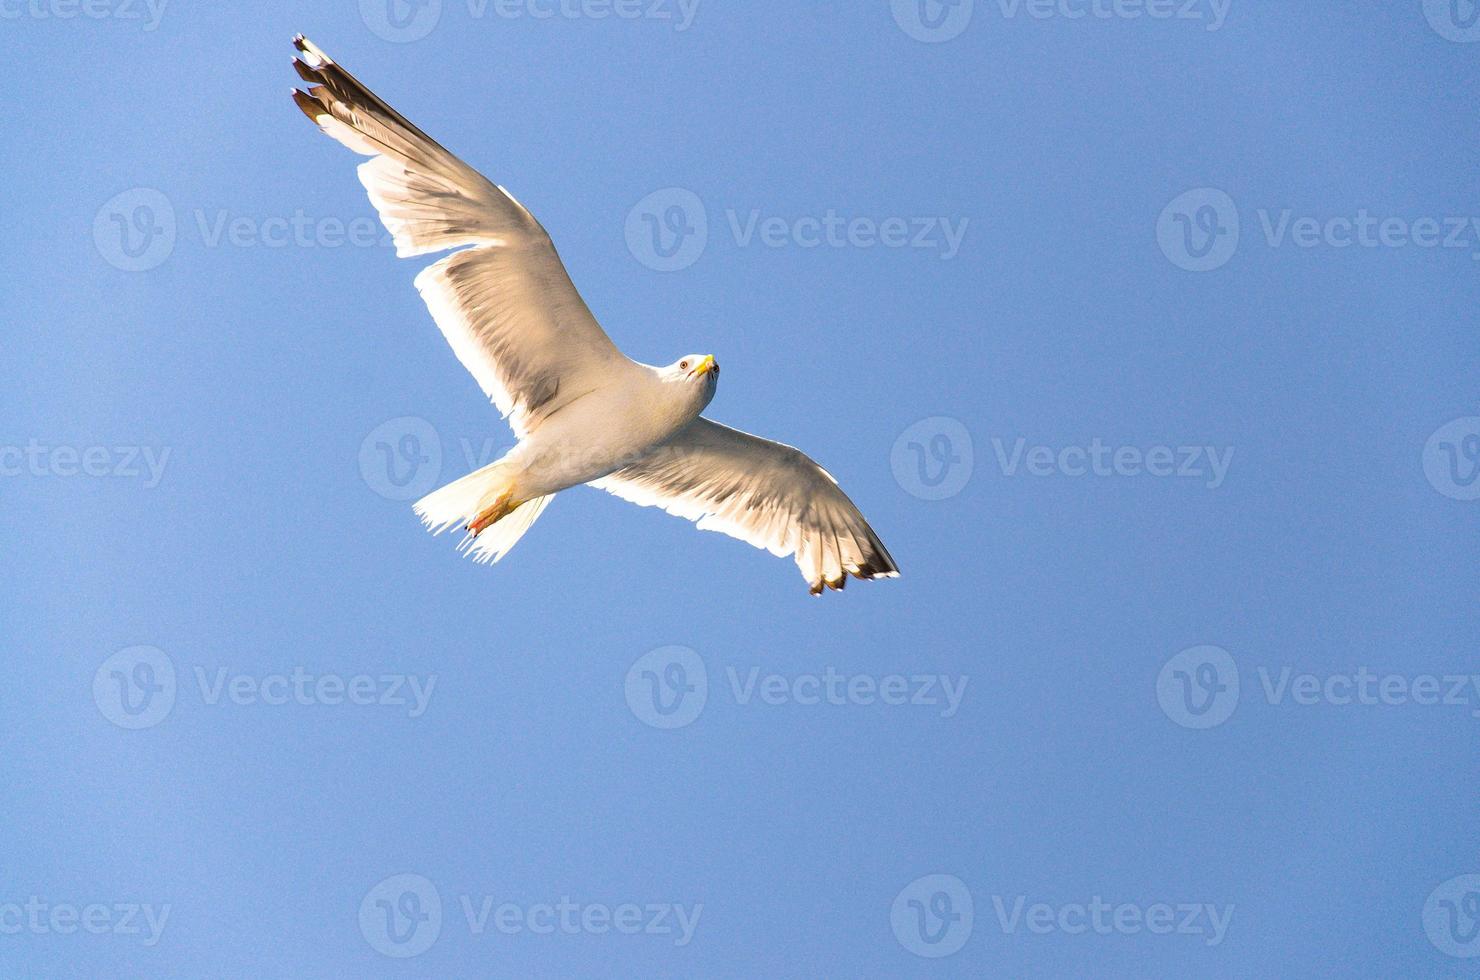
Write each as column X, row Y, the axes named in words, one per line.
column 696, row 367
column 695, row 378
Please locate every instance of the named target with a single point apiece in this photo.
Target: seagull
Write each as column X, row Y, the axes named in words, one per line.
column 582, row 411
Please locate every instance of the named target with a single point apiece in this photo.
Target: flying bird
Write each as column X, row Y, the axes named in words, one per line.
column 582, row 411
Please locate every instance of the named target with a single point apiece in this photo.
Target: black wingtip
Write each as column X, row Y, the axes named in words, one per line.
column 315, row 55
column 312, row 107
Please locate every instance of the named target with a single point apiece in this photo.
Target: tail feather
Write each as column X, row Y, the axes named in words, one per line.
column 462, row 500
column 459, row 501
column 496, row 541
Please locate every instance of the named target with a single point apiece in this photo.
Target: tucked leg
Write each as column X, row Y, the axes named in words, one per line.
column 499, row 509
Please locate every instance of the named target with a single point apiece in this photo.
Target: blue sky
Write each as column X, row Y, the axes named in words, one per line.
column 1146, row 342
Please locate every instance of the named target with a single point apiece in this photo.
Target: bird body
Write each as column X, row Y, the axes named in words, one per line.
column 642, row 407
column 583, row 412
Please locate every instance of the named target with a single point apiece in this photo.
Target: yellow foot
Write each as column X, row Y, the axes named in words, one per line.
column 498, row 510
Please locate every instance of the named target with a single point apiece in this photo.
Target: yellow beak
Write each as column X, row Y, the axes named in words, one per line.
column 705, row 365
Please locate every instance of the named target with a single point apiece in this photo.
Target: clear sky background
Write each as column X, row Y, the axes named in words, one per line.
column 289, row 387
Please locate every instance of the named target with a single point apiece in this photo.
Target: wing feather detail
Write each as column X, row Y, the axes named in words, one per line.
column 504, row 302
column 761, row 492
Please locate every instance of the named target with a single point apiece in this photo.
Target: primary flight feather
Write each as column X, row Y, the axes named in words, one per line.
column 583, row 412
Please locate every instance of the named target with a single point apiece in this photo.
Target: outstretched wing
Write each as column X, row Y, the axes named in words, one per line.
column 505, row 304
column 762, row 492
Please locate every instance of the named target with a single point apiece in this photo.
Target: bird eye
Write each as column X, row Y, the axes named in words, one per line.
column 683, row 365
